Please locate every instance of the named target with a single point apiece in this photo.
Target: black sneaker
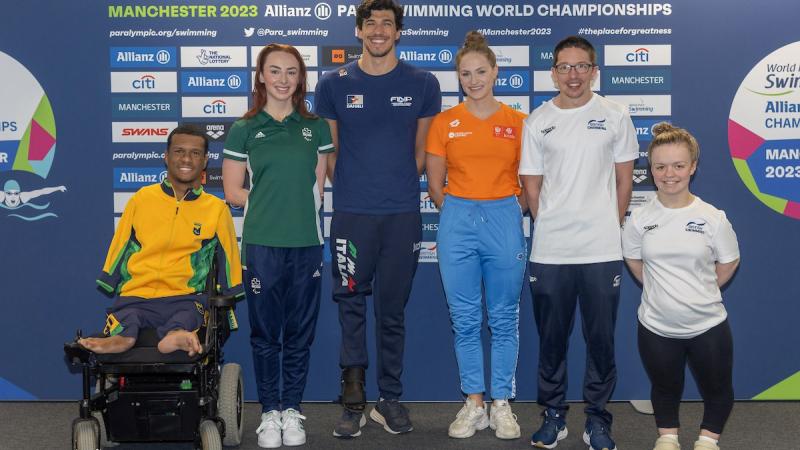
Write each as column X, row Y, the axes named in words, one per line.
column 392, row 415
column 349, row 425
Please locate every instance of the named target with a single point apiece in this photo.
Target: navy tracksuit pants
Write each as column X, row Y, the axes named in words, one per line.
column 557, row 290
column 283, row 290
column 386, row 248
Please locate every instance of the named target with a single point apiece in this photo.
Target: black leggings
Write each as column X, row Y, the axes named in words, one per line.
column 710, row 358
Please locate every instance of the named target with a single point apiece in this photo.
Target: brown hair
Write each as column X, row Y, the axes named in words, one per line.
column 476, row 42
column 575, row 42
column 665, row 133
column 260, row 89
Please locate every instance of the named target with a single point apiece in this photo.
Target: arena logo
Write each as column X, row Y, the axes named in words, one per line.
column 214, row 130
column 638, row 55
column 427, row 56
column 131, row 57
column 126, row 132
column 27, row 143
column 214, row 56
column 139, row 82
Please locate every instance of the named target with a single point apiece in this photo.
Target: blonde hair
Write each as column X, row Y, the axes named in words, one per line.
column 665, row 133
column 476, row 42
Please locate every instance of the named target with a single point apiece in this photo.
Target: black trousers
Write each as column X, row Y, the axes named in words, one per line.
column 384, row 248
column 710, row 358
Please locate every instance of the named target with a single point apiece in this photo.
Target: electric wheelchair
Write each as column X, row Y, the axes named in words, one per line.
column 142, row 395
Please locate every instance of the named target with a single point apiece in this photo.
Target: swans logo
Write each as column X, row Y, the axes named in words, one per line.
column 27, row 144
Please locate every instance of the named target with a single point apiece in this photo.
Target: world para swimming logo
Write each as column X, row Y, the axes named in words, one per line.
column 27, row 143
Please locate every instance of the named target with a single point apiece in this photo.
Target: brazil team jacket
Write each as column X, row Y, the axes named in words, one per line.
column 164, row 246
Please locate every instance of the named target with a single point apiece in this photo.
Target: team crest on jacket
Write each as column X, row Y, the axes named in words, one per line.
column 196, row 228
column 307, row 134
column 504, row 132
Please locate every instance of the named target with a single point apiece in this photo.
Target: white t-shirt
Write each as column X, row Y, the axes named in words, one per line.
column 679, row 248
column 575, row 150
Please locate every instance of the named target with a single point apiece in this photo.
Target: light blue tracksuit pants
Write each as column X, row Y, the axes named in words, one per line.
column 481, row 245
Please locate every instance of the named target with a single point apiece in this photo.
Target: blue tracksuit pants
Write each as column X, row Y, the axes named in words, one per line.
column 283, row 289
column 481, row 244
column 557, row 290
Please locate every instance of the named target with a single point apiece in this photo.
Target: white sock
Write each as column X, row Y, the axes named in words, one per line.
column 499, row 402
column 673, row 436
column 710, row 439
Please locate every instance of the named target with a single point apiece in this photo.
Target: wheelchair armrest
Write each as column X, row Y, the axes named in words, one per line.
column 77, row 353
column 223, row 301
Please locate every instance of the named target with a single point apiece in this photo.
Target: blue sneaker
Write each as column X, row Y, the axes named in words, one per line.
column 598, row 436
column 553, row 429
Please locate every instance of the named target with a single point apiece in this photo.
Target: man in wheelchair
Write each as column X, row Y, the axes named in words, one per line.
column 174, row 249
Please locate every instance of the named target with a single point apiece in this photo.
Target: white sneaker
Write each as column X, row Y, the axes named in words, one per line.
column 472, row 417
column 293, row 431
column 503, row 421
column 269, row 432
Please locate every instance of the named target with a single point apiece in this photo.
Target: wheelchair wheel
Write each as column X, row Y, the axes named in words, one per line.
column 85, row 435
column 209, row 436
column 104, row 442
column 230, row 405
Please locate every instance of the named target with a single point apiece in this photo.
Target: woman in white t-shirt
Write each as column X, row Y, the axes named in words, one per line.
column 682, row 250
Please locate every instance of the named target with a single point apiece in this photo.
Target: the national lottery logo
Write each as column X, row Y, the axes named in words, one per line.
column 596, row 125
column 212, row 57
column 307, row 134
column 355, row 101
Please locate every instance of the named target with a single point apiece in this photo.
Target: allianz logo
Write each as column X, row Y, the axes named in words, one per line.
column 161, row 57
column 443, row 56
column 138, row 177
column 233, row 81
column 515, row 81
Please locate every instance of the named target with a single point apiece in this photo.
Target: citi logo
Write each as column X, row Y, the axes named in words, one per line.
column 145, row 131
column 216, row 107
column 144, row 82
column 641, row 55
column 400, row 101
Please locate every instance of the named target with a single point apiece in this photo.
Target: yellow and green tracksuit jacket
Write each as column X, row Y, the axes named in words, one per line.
column 164, row 246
